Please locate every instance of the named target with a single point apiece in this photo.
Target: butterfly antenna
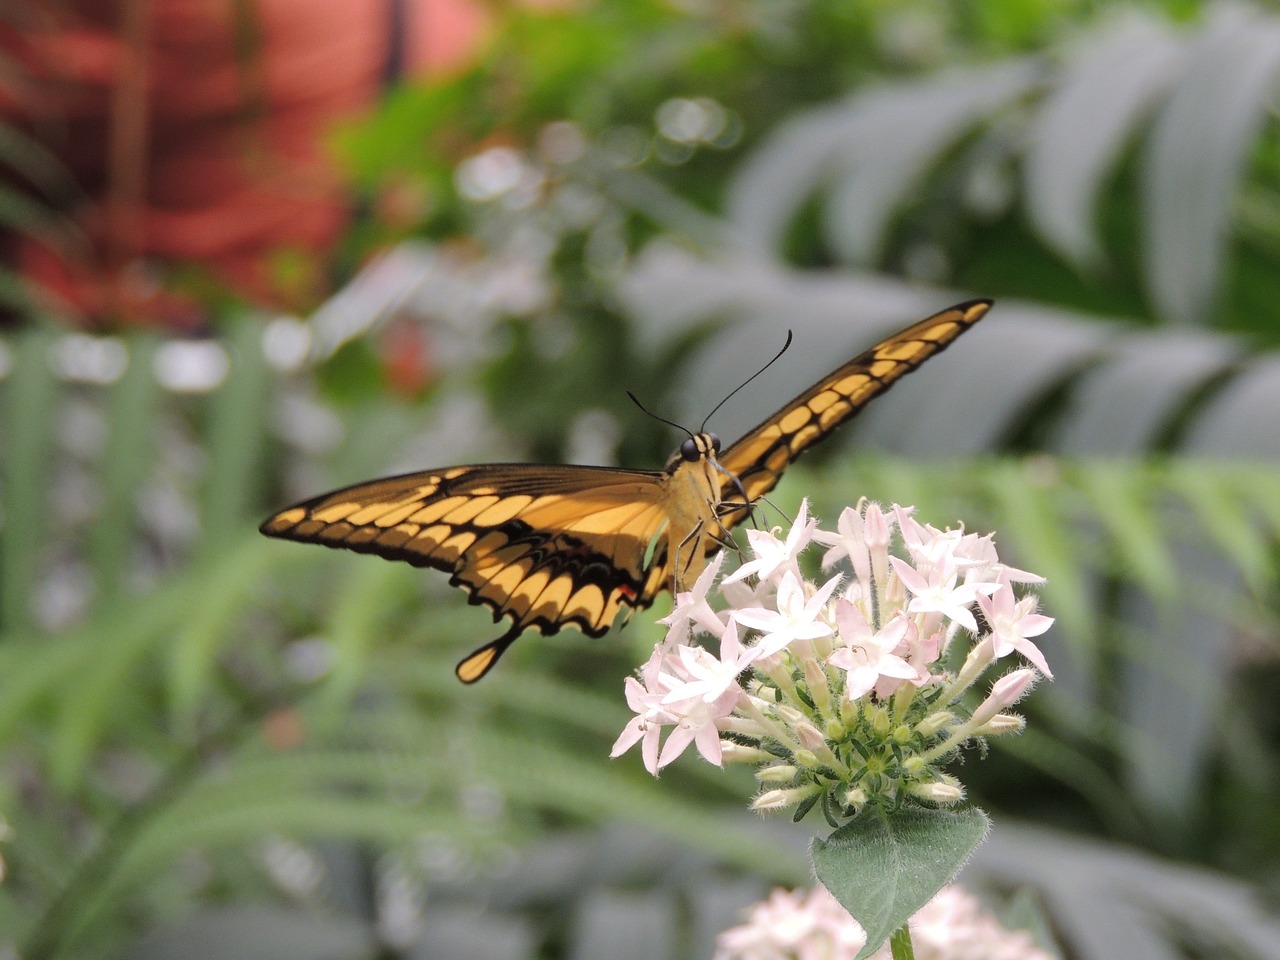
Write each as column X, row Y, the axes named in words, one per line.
column 669, row 423
column 744, row 383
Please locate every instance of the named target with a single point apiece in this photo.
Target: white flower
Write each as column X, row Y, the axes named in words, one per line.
column 711, row 678
column 691, row 607
column 696, row 723
column 774, row 557
column 645, row 700
column 867, row 656
column 1013, row 621
column 939, row 592
column 1005, row 692
column 811, row 925
column 795, row 618
column 799, row 924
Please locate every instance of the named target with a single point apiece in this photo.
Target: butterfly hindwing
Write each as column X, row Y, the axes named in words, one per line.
column 547, row 546
column 759, row 458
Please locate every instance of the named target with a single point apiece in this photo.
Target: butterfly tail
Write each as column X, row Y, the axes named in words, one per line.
column 481, row 660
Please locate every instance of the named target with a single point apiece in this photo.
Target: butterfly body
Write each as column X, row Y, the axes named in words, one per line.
column 557, row 545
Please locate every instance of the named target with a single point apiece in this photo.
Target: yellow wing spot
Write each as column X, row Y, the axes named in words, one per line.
column 528, row 590
column 452, row 548
column 857, row 382
column 430, row 539
column 794, row 420
column 907, row 350
column 395, row 537
column 832, row 414
column 552, row 600
column 436, row 511
column 504, row 581
column 804, row 437
column 394, row 516
column 288, row 518
column 822, row 401
column 473, row 667
column 487, row 490
column 587, row 603
column 335, row 512
column 502, row 511
column 778, row 459
column 470, row 508
column 453, row 473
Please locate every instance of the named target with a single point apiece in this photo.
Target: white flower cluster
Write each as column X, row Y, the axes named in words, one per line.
column 849, row 691
column 806, row 925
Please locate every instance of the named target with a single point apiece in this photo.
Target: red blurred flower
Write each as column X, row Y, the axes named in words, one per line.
column 195, row 129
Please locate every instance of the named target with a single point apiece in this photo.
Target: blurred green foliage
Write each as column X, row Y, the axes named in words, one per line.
column 214, row 694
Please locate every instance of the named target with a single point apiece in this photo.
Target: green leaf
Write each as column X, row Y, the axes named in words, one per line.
column 884, row 867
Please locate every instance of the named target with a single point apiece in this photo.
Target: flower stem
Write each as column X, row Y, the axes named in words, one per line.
column 900, row 944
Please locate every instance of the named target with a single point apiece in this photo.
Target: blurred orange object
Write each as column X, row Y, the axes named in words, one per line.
column 195, row 131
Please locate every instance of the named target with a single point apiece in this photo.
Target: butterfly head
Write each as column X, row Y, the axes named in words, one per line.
column 700, row 446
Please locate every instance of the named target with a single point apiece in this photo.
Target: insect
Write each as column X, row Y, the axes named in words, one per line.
column 554, row 545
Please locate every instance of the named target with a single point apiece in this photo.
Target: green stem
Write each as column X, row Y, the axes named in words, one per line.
column 900, row 944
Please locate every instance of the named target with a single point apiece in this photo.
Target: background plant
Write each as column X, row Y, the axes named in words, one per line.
column 189, row 718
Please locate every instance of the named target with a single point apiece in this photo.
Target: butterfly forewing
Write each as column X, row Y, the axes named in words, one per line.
column 760, row 457
column 546, row 545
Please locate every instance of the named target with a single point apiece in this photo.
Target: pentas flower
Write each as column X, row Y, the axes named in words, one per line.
column 812, row 925
column 851, row 692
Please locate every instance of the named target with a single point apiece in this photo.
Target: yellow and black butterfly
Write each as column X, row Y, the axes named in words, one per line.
column 551, row 545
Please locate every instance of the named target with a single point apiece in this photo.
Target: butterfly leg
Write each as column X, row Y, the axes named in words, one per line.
column 481, row 660
column 678, row 570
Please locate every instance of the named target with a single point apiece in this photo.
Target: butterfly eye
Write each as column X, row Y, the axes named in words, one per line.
column 715, row 443
column 689, row 450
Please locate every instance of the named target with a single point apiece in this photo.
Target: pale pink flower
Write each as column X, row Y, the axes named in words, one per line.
column 794, row 925
column 866, row 656
column 938, row 592
column 711, row 677
column 794, row 619
column 811, row 925
column 696, row 723
column 773, row 556
column 692, row 609
column 1005, row 692
column 1013, row 622
column 645, row 700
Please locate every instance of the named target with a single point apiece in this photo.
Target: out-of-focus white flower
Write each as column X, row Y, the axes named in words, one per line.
column 811, row 925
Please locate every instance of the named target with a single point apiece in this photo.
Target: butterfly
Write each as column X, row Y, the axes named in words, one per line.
column 557, row 545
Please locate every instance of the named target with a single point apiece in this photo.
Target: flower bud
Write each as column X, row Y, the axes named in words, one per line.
column 937, row 792
column 781, row 799
column 849, row 710
column 789, row 715
column 814, row 742
column 880, row 722
column 733, row 752
column 935, row 722
column 816, row 678
column 778, row 773
column 1005, row 692
column 1001, row 723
